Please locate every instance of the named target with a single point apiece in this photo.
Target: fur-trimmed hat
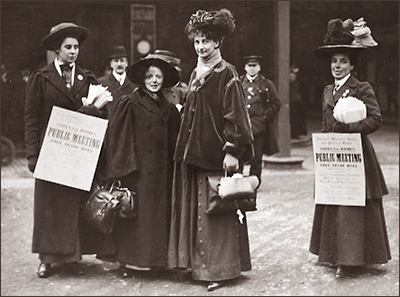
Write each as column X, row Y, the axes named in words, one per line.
column 340, row 37
column 136, row 72
column 214, row 24
column 63, row 30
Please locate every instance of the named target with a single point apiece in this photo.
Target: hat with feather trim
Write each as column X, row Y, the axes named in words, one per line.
column 63, row 30
column 214, row 24
column 340, row 36
column 136, row 72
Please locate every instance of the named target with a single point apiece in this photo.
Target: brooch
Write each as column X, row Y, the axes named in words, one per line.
column 80, row 77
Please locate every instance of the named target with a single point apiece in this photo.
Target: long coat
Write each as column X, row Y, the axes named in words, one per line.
column 263, row 105
column 117, row 90
column 56, row 207
column 139, row 152
column 215, row 122
column 353, row 235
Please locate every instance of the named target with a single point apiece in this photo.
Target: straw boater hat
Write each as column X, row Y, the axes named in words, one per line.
column 136, row 71
column 349, row 36
column 64, row 30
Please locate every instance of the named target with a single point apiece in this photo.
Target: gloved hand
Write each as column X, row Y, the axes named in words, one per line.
column 341, row 127
column 91, row 110
column 32, row 164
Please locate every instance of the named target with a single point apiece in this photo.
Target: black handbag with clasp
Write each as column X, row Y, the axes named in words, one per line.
column 108, row 203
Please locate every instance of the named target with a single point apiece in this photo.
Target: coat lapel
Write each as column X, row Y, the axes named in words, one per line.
column 79, row 81
column 51, row 74
column 114, row 81
column 148, row 103
column 348, row 86
column 328, row 97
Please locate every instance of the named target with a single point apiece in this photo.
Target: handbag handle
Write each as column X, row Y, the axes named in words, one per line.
column 115, row 184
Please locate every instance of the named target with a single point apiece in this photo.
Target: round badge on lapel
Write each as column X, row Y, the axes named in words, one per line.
column 80, row 77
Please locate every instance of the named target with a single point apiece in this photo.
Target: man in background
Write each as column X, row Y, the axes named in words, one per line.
column 263, row 104
column 116, row 81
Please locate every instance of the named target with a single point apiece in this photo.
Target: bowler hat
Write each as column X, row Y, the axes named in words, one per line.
column 248, row 59
column 338, row 38
column 136, row 71
column 118, row 51
column 64, row 30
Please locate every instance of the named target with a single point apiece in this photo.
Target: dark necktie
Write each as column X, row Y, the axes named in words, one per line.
column 67, row 74
column 336, row 88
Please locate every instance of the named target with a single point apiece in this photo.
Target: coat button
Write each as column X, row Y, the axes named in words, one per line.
column 248, row 105
column 248, row 97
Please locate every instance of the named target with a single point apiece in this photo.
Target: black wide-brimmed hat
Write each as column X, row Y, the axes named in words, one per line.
column 136, row 71
column 64, row 30
column 343, row 36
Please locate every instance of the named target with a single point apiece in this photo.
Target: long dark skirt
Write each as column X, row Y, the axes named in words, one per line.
column 350, row 235
column 215, row 247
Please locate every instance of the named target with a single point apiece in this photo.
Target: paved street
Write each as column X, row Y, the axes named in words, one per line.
column 279, row 234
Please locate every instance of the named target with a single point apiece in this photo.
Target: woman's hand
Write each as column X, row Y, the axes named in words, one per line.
column 90, row 110
column 341, row 127
column 231, row 163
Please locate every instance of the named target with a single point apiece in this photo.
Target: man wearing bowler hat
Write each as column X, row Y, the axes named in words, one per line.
column 263, row 104
column 117, row 82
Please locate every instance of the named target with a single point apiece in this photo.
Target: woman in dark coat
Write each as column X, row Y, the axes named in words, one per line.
column 59, row 235
column 346, row 236
column 214, row 135
column 139, row 152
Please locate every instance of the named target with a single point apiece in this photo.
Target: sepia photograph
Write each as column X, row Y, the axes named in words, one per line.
column 192, row 148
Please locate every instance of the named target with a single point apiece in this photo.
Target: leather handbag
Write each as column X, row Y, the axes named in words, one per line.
column 108, row 203
column 101, row 209
column 237, row 194
column 127, row 199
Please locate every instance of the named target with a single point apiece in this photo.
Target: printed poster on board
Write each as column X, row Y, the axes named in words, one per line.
column 71, row 148
column 339, row 169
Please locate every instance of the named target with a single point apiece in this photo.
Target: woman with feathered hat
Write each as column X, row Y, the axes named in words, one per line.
column 59, row 235
column 215, row 134
column 139, row 150
column 345, row 236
